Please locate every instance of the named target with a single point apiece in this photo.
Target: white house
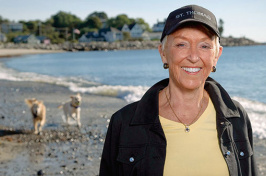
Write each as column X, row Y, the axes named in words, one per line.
column 136, row 30
column 111, row 34
column 158, row 27
column 31, row 39
column 91, row 36
column 125, row 28
column 3, row 37
column 11, row 27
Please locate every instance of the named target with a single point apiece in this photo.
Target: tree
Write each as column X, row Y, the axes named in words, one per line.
column 221, row 26
column 63, row 19
column 142, row 22
column 2, row 20
column 93, row 22
column 101, row 15
column 119, row 21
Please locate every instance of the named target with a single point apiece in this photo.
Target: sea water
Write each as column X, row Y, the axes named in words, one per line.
column 128, row 74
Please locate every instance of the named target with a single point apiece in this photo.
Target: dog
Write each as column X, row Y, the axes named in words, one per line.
column 72, row 108
column 38, row 111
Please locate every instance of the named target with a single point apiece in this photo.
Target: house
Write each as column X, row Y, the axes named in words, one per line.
column 158, row 27
column 136, row 30
column 44, row 40
column 31, row 39
column 124, row 28
column 155, row 35
column 111, row 34
column 91, row 36
column 3, row 37
column 11, row 27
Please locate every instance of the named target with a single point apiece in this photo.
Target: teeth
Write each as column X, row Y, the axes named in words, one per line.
column 191, row 70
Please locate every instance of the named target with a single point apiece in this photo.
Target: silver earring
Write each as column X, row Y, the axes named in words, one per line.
column 165, row 66
column 213, row 69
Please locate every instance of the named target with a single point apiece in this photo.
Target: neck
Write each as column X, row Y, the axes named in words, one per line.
column 185, row 98
column 187, row 105
column 74, row 106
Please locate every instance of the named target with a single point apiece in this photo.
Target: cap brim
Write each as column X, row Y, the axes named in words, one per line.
column 174, row 28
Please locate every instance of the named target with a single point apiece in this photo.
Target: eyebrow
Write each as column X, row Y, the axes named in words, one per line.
column 185, row 38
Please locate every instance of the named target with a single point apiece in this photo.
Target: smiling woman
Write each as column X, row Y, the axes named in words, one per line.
column 187, row 124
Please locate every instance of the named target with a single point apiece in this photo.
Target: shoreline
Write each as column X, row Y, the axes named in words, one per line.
column 7, row 53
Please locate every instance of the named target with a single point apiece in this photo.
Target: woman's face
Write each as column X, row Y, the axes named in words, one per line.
column 191, row 54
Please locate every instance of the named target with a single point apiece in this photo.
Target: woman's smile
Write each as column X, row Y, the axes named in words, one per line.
column 193, row 70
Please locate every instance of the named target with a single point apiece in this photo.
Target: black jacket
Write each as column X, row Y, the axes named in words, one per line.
column 136, row 145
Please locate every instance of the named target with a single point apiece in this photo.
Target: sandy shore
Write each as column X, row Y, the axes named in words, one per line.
column 60, row 149
column 19, row 52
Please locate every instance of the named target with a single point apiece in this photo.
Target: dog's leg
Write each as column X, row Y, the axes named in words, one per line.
column 36, row 124
column 42, row 122
column 41, row 125
column 67, row 118
column 78, row 119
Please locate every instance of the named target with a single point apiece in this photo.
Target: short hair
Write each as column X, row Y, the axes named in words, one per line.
column 201, row 27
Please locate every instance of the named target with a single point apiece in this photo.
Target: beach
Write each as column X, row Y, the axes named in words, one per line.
column 19, row 52
column 60, row 149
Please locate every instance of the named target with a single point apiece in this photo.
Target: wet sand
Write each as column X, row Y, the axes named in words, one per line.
column 19, row 52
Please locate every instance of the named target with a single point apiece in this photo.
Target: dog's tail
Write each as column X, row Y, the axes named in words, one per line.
column 59, row 107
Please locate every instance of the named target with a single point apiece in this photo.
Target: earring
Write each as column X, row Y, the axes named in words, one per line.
column 213, row 69
column 165, row 66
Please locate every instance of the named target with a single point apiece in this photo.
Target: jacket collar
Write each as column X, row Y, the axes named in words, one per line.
column 147, row 110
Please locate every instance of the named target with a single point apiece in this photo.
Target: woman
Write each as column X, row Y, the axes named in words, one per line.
column 187, row 124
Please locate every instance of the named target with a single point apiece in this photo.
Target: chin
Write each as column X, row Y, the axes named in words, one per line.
column 192, row 84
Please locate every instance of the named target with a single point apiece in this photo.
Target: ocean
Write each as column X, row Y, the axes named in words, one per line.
column 128, row 74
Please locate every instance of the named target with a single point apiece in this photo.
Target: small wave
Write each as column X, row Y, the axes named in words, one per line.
column 128, row 93
column 257, row 115
column 76, row 84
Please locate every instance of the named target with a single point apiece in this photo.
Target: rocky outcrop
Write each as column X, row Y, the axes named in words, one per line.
column 230, row 41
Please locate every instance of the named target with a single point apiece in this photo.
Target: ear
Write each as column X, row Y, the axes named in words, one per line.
column 28, row 102
column 162, row 53
column 218, row 55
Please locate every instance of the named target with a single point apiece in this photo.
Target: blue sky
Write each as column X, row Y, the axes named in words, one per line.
column 241, row 17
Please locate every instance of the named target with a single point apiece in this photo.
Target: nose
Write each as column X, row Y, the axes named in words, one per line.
column 193, row 55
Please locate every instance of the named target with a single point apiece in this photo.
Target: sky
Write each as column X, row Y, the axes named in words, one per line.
column 242, row 18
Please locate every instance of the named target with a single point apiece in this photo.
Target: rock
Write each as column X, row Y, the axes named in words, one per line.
column 40, row 173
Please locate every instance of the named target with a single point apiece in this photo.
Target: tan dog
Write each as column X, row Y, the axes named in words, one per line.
column 72, row 108
column 38, row 111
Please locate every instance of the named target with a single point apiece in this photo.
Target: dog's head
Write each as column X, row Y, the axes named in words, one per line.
column 76, row 100
column 34, row 105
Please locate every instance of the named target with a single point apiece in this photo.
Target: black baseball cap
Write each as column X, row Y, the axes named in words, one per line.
column 190, row 13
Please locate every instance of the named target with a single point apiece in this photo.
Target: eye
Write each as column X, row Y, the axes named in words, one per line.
column 181, row 45
column 205, row 46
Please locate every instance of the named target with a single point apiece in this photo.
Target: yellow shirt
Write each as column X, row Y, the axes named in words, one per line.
column 196, row 153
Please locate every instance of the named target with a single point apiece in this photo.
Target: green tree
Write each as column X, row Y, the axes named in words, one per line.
column 93, row 22
column 63, row 19
column 142, row 22
column 101, row 15
column 31, row 26
column 221, row 26
column 2, row 20
column 86, row 30
column 119, row 21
